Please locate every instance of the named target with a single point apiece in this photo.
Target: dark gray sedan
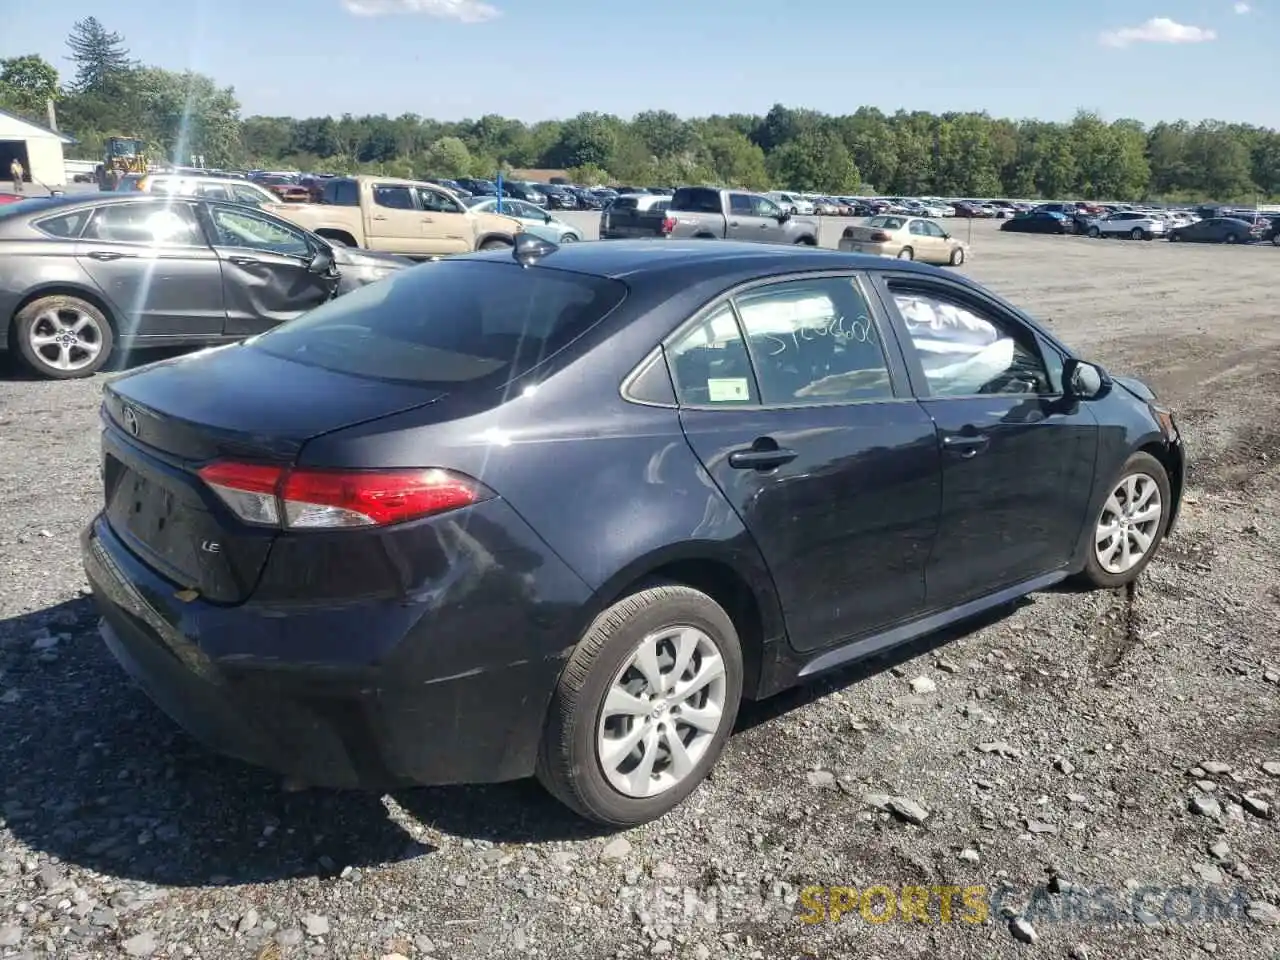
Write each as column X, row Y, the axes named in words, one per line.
column 84, row 276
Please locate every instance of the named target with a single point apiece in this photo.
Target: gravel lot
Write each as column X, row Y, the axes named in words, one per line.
column 1115, row 741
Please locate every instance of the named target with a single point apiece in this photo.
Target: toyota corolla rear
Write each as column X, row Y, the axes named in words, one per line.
column 298, row 555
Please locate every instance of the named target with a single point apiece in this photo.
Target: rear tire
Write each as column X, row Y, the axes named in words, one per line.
column 1136, row 233
column 1232, row 238
column 957, row 256
column 906, row 253
column 1144, row 471
column 608, row 666
column 1095, row 232
column 495, row 245
column 63, row 338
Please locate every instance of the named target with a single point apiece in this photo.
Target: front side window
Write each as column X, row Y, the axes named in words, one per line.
column 437, row 202
column 168, row 222
column 967, row 351
column 449, row 323
column 764, row 207
column 238, row 228
column 244, row 194
column 740, row 205
column 813, row 341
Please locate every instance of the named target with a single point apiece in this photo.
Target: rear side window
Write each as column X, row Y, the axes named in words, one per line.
column 393, row 197
column 342, row 193
column 65, row 227
column 696, row 200
column 451, row 322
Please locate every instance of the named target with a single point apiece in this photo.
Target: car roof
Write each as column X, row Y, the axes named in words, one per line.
column 637, row 259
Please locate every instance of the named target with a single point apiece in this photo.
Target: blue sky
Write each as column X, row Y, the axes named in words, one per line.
column 535, row 59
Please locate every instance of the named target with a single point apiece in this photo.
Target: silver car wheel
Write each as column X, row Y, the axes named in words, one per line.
column 66, row 338
column 1129, row 523
column 662, row 712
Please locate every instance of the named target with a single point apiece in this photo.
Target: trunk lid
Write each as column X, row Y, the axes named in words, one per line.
column 165, row 421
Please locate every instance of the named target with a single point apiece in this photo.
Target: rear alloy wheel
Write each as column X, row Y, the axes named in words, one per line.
column 1232, row 238
column 906, row 253
column 63, row 338
column 1136, row 233
column 1131, row 523
column 957, row 256
column 644, row 707
column 1095, row 232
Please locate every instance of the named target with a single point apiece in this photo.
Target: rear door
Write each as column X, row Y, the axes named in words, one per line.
column 395, row 224
column 266, row 269
column 154, row 266
column 1018, row 459
column 798, row 409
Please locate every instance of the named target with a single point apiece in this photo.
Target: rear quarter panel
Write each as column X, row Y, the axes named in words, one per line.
column 27, row 268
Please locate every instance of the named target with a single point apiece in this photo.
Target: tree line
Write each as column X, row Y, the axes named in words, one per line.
column 914, row 153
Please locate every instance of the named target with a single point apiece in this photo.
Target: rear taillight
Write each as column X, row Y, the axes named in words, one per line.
column 668, row 225
column 879, row 236
column 302, row 499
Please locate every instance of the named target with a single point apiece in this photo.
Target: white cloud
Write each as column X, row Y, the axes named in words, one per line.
column 463, row 11
column 1156, row 30
column 1242, row 8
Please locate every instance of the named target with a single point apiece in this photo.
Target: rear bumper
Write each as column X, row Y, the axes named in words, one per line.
column 441, row 703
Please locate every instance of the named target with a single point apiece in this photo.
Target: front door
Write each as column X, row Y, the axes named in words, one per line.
column 744, row 221
column 152, row 263
column 266, row 269
column 446, row 225
column 801, row 418
column 1017, row 457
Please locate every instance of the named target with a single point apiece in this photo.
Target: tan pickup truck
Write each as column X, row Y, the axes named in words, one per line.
column 408, row 217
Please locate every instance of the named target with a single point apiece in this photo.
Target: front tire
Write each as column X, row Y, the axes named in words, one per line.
column 1232, row 238
column 1131, row 524
column 662, row 666
column 1136, row 233
column 63, row 338
column 957, row 256
column 1095, row 232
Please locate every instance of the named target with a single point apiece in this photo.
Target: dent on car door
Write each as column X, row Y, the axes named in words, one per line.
column 800, row 415
column 266, row 269
column 154, row 266
column 1018, row 458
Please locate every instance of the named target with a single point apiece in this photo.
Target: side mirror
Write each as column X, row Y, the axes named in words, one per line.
column 321, row 261
column 1084, row 381
column 547, row 218
column 784, row 216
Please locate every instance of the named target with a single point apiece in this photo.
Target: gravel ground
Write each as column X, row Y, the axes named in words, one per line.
column 1095, row 742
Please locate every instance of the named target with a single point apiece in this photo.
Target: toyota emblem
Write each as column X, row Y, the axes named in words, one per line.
column 130, row 420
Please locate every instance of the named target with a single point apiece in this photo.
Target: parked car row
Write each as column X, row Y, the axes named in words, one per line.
column 1147, row 224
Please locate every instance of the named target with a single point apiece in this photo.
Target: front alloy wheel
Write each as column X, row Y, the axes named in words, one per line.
column 1130, row 524
column 644, row 706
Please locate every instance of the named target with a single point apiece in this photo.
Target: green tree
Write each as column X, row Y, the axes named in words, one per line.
column 100, row 56
column 586, row 139
column 27, row 84
column 814, row 161
column 736, row 161
column 448, row 157
column 187, row 114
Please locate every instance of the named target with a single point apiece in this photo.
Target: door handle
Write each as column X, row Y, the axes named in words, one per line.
column 107, row 255
column 733, row 223
column 428, row 219
column 244, row 261
column 966, row 446
column 379, row 217
column 754, row 458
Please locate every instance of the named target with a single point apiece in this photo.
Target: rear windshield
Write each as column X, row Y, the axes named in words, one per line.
column 886, row 223
column 626, row 203
column 450, row 322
